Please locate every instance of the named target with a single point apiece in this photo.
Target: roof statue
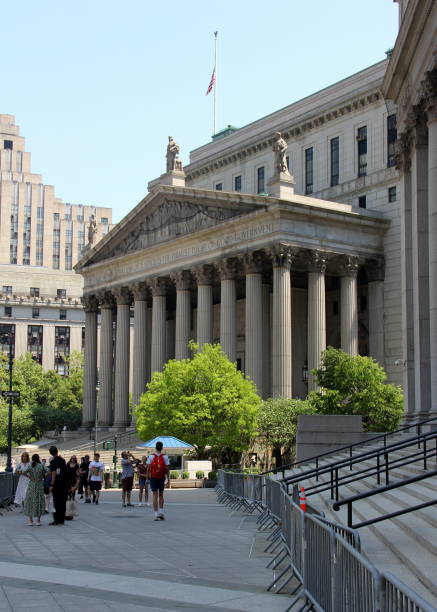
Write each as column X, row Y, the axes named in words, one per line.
column 92, row 230
column 173, row 161
column 280, row 148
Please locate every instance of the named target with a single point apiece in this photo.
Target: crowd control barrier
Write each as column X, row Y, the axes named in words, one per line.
column 322, row 556
column 8, row 485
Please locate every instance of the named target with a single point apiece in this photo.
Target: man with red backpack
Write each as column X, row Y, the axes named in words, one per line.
column 158, row 472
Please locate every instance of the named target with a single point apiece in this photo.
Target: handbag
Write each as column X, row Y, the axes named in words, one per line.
column 71, row 509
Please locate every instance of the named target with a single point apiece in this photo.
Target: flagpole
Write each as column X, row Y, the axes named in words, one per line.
column 215, row 85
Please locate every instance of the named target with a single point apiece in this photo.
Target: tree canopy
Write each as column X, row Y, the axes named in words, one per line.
column 205, row 401
column 357, row 385
column 47, row 400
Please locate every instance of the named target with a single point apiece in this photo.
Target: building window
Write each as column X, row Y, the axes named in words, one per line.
column 8, row 144
column 56, row 262
column 79, row 218
column 362, row 201
column 35, row 342
column 309, row 171
column 362, row 150
column 104, row 220
column 8, row 311
column 7, row 337
column 35, row 313
column 237, row 183
column 335, row 161
column 62, row 314
column 7, row 289
column 61, row 293
column 34, row 292
column 391, row 140
column 392, row 194
column 219, row 187
column 62, row 350
column 83, row 338
column 260, row 176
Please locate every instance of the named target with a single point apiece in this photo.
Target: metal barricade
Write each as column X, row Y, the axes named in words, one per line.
column 8, row 485
column 396, row 596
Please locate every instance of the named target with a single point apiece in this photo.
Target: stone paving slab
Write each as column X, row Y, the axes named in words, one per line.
column 202, row 557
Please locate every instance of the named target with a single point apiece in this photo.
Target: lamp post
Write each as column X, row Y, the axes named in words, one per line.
column 10, row 395
column 97, row 416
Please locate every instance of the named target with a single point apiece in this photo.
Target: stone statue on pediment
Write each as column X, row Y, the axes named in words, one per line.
column 92, row 230
column 280, row 149
column 173, row 161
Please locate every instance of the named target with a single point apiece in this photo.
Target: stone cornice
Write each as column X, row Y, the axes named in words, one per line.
column 289, row 131
column 25, row 300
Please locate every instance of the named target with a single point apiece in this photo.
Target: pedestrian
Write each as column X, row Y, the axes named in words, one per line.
column 34, row 502
column 59, row 486
column 83, row 471
column 143, row 482
column 80, row 487
column 158, row 465
column 23, row 481
column 47, row 485
column 95, row 477
column 128, row 462
column 72, row 477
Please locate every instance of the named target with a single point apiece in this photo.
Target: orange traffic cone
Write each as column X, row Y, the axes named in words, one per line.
column 302, row 499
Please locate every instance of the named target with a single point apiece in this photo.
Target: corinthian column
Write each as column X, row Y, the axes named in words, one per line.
column 182, row 280
column 140, row 353
column 228, row 308
column 349, row 306
column 90, row 363
column 375, row 278
column 282, row 257
column 159, row 292
column 431, row 111
column 204, row 276
column 254, row 320
column 106, row 358
column 121, row 390
column 316, row 314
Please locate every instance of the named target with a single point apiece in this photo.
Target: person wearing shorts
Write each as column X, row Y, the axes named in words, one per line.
column 157, row 484
column 127, row 477
column 95, row 477
column 143, row 482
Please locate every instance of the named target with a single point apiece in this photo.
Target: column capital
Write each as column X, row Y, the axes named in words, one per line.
column 204, row 274
column 140, row 291
column 90, row 303
column 159, row 286
column 228, row 268
column 316, row 261
column 419, row 130
column 253, row 262
column 349, row 265
column 282, row 255
column 106, row 299
column 403, row 151
column 375, row 269
column 122, row 296
column 429, row 91
column 182, row 279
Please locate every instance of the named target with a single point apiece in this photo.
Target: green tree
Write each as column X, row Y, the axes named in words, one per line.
column 357, row 385
column 278, row 424
column 205, row 401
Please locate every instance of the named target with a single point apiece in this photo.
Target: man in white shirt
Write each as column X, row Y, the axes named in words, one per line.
column 95, row 477
column 158, row 472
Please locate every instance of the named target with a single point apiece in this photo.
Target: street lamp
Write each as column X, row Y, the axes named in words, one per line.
column 7, row 338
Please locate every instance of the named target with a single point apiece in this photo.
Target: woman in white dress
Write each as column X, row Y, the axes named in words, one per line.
column 23, row 481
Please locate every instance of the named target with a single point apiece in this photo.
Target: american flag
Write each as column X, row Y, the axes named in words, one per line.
column 211, row 83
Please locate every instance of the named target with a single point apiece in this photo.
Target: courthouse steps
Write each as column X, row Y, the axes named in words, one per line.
column 404, row 545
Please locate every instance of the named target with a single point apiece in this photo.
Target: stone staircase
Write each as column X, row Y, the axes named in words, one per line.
column 405, row 545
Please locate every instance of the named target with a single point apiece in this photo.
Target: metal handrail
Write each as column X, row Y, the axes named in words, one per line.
column 337, row 465
column 395, row 485
column 349, row 447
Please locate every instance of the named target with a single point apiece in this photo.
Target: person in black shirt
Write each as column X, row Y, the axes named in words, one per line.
column 83, row 471
column 59, row 486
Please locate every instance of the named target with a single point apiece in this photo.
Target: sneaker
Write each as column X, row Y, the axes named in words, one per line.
column 123, row 505
column 161, row 517
column 156, row 518
column 130, row 505
column 87, row 501
column 97, row 501
column 81, row 497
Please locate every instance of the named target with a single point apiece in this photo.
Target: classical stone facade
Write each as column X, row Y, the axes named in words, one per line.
column 41, row 238
column 411, row 82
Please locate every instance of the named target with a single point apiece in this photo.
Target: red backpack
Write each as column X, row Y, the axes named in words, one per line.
column 158, row 469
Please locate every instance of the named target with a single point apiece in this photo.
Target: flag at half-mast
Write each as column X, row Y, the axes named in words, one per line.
column 211, row 83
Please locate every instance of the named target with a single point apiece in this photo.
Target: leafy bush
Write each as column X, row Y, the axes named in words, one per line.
column 174, row 475
column 212, row 475
column 200, row 474
column 185, row 475
column 251, row 470
column 357, row 385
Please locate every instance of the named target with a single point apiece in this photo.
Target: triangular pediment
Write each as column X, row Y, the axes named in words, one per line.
column 166, row 215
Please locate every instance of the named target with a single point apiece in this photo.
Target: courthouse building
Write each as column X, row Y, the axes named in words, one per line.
column 303, row 229
column 41, row 238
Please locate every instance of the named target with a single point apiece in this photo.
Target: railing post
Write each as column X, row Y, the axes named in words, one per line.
column 349, row 514
column 419, row 433
column 336, row 484
column 424, row 454
column 332, row 483
column 386, row 469
column 350, row 457
column 378, row 470
column 317, row 469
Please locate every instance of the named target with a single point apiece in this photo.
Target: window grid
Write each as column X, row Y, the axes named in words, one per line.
column 335, row 161
column 237, row 183
column 309, row 171
column 260, row 174
column 391, row 140
column 362, row 150
column 35, row 342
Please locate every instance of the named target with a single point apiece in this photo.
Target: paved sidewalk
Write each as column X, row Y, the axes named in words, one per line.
column 202, row 557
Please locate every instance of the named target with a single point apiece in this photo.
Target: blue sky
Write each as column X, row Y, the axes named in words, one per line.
column 97, row 86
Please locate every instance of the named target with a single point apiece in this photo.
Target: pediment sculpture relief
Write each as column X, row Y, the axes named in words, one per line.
column 171, row 219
